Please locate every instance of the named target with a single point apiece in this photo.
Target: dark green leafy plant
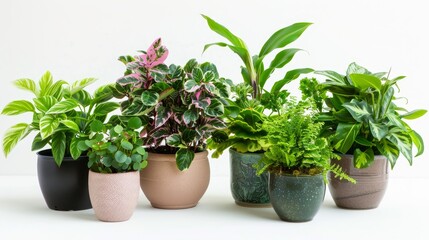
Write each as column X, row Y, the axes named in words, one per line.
column 364, row 118
column 295, row 146
column 180, row 107
column 62, row 114
column 115, row 148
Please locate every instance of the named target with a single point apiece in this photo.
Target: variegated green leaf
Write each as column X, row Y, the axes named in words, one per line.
column 45, row 83
column 333, row 76
column 18, row 107
column 389, row 150
column 149, row 98
column 75, row 152
column 394, row 120
column 345, row 136
column 105, row 108
column 81, row 84
column 191, row 86
column 197, row 74
column 360, row 111
column 418, row 142
column 403, row 143
column 58, row 147
column 13, row 135
column 83, row 97
column 48, row 124
column 63, row 106
column 379, row 131
column 38, row 142
column 44, row 103
column 27, row 84
column 56, row 90
column 364, row 81
column 386, row 100
column 363, row 159
column 70, row 124
column 184, row 158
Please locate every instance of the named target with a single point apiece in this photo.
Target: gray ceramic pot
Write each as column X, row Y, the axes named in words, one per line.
column 247, row 188
column 369, row 190
column 296, row 198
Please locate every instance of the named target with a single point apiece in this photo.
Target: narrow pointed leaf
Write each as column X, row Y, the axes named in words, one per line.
column 45, row 83
column 379, row 131
column 333, row 76
column 58, row 147
column 75, row 152
column 13, row 135
column 290, row 76
column 18, row 107
column 63, row 106
column 414, row 114
column 418, row 142
column 389, row 150
column 105, row 108
column 44, row 103
column 81, row 84
column 403, row 143
column 283, row 57
column 224, row 32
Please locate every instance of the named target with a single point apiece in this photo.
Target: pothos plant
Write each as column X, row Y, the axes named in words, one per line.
column 252, row 102
column 114, row 148
column 295, row 146
column 364, row 117
column 179, row 107
column 62, row 114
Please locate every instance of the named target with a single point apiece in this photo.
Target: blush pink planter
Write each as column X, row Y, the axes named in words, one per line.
column 167, row 187
column 113, row 196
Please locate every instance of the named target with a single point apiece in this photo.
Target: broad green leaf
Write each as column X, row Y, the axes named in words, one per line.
column 134, row 123
column 363, row 159
column 242, row 52
column 13, row 135
column 118, row 129
column 27, row 84
column 103, row 93
column 355, row 68
column 105, row 108
column 18, row 107
column 191, row 86
column 38, row 142
column 126, row 145
column 63, row 106
column 58, row 147
column 341, row 90
column 44, row 103
column 45, row 83
column 56, row 90
column 414, row 114
column 48, row 124
column 403, row 143
column 190, row 115
column 363, row 141
column 120, row 157
column 360, row 111
column 149, row 98
column 290, row 76
column 96, row 126
column 283, row 37
column 70, row 124
column 378, row 130
column 345, row 136
column 364, row 81
column 174, row 140
column 83, row 97
column 209, row 76
column 215, row 109
column 188, row 136
column 224, row 32
column 283, row 57
column 197, row 74
column 162, row 115
column 140, row 150
column 394, row 120
column 184, row 158
column 74, row 149
column 418, row 142
column 389, row 150
column 81, row 84
column 334, row 76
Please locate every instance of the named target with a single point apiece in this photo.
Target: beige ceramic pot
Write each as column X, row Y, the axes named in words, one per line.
column 167, row 187
column 113, row 196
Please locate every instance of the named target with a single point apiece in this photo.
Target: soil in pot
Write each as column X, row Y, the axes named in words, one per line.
column 64, row 188
column 247, row 188
column 369, row 190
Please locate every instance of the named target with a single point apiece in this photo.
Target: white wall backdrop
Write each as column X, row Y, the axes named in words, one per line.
column 81, row 38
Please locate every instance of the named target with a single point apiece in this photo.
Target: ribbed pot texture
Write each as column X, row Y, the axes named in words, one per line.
column 369, row 190
column 247, row 188
column 64, row 188
column 114, row 196
column 296, row 198
column 167, row 187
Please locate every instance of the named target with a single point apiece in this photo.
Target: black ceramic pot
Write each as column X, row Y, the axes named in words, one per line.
column 64, row 188
column 296, row 198
column 247, row 188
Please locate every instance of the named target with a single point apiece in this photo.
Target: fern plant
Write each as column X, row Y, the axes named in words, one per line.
column 294, row 145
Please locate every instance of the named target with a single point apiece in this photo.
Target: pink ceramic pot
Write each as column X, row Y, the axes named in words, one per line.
column 167, row 187
column 113, row 196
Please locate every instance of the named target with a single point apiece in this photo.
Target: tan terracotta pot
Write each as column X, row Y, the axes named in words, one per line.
column 167, row 187
column 113, row 196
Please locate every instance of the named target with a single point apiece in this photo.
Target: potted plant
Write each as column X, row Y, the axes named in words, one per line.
column 369, row 130
column 115, row 156
column 250, row 105
column 298, row 159
column 62, row 114
column 180, row 108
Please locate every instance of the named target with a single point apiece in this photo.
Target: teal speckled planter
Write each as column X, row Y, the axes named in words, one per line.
column 248, row 189
column 296, row 199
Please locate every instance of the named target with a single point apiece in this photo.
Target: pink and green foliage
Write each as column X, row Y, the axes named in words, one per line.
column 180, row 107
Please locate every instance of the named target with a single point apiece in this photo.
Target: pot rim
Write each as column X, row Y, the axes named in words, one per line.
column 121, row 173
column 294, row 176
column 351, row 155
column 170, row 157
column 246, row 153
column 47, row 154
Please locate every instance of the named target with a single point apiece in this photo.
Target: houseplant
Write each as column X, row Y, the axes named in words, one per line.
column 62, row 114
column 298, row 159
column 180, row 108
column 115, row 159
column 369, row 130
column 253, row 103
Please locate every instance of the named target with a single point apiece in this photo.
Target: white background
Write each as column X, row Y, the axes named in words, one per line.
column 82, row 38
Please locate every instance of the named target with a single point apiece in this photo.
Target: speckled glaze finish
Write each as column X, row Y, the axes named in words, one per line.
column 167, row 187
column 114, row 196
column 248, row 189
column 296, row 199
column 369, row 190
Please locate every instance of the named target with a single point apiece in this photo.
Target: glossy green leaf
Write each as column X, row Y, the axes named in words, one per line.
column 290, row 76
column 81, row 84
column 149, row 98
column 190, row 115
column 215, row 109
column 394, row 120
column 364, row 81
column 126, row 145
column 44, row 103
column 58, row 147
column 103, row 93
column 38, row 142
column 386, row 100
column 245, row 75
column 283, row 37
column 197, row 74
column 83, row 97
column 48, row 124
column 27, row 84
column 378, row 130
column 184, row 158
column 82, row 145
column 414, row 114
column 96, row 126
column 134, row 123
column 174, row 140
column 18, row 107
column 71, row 125
column 13, row 135
column 105, row 108
column 120, row 157
column 188, row 135
column 355, row 68
column 140, row 150
column 74, row 149
column 162, row 116
column 191, row 86
column 359, row 110
column 56, row 90
column 403, row 143
column 389, row 150
column 363, row 159
column 63, row 106
column 333, row 76
column 363, row 141
column 45, row 83
column 224, row 32
column 345, row 136
column 283, row 57
column 418, row 142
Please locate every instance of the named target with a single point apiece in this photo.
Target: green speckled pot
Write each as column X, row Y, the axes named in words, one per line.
column 296, row 199
column 248, row 189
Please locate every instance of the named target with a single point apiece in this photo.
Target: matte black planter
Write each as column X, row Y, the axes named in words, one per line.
column 64, row 188
column 296, row 199
column 248, row 189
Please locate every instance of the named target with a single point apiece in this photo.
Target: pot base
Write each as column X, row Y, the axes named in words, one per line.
column 173, row 206
column 253, row 205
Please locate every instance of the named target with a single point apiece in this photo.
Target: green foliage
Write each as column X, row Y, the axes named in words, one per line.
column 180, row 106
column 61, row 112
column 115, row 148
column 364, row 118
column 295, row 145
